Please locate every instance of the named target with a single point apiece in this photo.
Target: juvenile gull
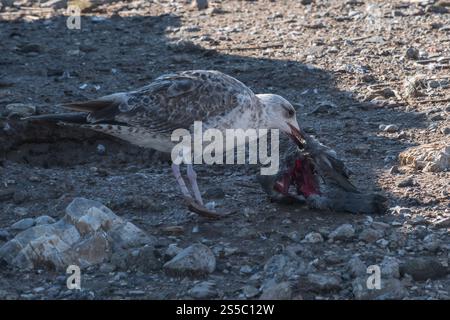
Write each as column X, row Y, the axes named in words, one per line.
column 147, row 116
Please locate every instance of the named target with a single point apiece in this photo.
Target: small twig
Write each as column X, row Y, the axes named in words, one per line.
column 361, row 38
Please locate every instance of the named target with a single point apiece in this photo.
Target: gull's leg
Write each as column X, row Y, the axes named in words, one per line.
column 195, row 205
column 179, row 178
column 192, row 176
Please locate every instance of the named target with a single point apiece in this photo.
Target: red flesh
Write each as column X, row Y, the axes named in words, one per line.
column 302, row 176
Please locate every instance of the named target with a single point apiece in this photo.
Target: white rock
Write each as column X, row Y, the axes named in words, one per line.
column 313, row 237
column 84, row 236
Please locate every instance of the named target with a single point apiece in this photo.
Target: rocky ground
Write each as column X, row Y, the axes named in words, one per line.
column 368, row 78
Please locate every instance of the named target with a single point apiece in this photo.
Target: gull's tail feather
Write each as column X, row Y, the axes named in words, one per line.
column 72, row 117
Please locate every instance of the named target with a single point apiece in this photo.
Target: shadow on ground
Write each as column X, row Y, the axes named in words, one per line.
column 48, row 64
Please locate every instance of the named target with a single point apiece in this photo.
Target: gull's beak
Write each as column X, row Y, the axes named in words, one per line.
column 296, row 135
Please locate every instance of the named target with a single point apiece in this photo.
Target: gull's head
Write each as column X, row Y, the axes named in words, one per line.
column 281, row 115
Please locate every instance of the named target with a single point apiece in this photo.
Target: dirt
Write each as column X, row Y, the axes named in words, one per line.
column 342, row 64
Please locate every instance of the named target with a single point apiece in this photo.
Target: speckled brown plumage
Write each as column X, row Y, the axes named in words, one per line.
column 172, row 101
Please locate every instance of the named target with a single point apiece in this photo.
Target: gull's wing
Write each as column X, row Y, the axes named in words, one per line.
column 328, row 164
column 171, row 101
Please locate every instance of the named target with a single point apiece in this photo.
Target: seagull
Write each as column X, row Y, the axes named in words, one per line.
column 147, row 116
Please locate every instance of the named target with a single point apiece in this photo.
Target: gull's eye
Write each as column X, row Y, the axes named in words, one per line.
column 290, row 112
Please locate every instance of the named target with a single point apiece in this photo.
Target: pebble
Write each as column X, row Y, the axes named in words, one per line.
column 356, row 267
column 408, row 182
column 412, row 53
column 370, row 235
column 324, row 282
column 23, row 224
column 215, row 193
column 277, row 291
column 394, row 170
column 38, row 289
column 250, row 291
column 203, row 290
column 443, row 223
column 201, row 4
column 136, row 292
column 382, row 243
column 432, row 242
column 101, row 149
column 390, row 267
column 401, row 210
column 20, row 109
column 34, row 179
column 246, row 269
column 172, row 250
column 21, row 211
column 30, row 48
column 343, row 232
column 4, row 235
column 437, row 117
column 44, row 220
column 313, row 237
column 391, row 289
column 107, row 268
column 195, row 260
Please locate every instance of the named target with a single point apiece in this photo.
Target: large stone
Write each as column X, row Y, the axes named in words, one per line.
column 127, row 235
column 88, row 214
column 195, row 260
column 85, row 236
